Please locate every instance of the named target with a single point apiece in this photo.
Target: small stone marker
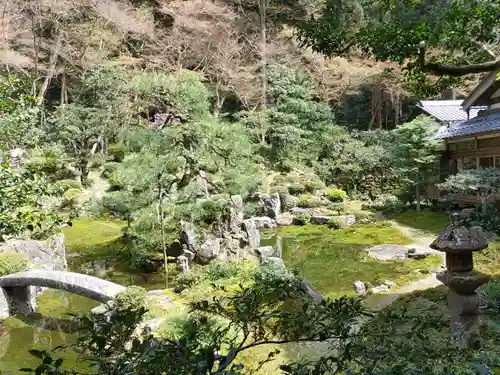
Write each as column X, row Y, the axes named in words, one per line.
column 360, row 288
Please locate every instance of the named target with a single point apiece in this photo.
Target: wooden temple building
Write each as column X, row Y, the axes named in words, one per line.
column 473, row 140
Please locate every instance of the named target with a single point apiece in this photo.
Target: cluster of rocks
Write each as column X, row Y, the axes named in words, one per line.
column 362, row 289
column 239, row 238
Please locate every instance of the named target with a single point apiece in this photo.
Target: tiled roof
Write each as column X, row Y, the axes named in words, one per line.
column 489, row 122
column 447, row 110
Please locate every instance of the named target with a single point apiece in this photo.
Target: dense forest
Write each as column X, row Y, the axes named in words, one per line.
column 172, row 114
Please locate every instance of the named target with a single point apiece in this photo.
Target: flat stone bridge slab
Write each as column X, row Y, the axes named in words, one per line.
column 18, row 290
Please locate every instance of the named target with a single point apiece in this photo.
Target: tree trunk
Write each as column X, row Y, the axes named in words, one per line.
column 51, row 70
column 263, row 63
column 162, row 228
column 84, row 172
column 417, row 195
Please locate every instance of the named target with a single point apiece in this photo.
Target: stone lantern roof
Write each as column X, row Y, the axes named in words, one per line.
column 458, row 239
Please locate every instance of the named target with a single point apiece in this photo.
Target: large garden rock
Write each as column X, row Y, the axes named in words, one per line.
column 4, row 304
column 273, row 261
column 188, row 235
column 346, row 220
column 236, row 213
column 284, row 219
column 49, row 255
column 265, row 251
column 320, row 219
column 252, row 232
column 272, row 205
column 263, row 222
column 387, row 252
column 209, row 249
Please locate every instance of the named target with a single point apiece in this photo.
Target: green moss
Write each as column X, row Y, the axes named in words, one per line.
column 331, row 260
column 425, row 221
column 12, row 262
column 94, row 239
column 488, row 261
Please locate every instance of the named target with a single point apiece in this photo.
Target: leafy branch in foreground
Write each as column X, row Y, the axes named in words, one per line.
column 274, row 310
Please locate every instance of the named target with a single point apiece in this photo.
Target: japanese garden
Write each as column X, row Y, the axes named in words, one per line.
column 249, row 187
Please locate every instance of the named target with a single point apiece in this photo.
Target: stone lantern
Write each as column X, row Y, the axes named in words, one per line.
column 459, row 242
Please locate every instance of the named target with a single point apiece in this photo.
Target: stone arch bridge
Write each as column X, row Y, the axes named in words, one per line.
column 18, row 291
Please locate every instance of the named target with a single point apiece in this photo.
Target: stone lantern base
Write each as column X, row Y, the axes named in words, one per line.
column 463, row 302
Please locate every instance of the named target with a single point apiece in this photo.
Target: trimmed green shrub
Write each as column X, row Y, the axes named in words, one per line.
column 308, row 201
column 12, row 262
column 133, row 299
column 296, row 189
column 335, row 224
column 336, row 195
column 339, row 208
column 301, row 219
column 311, row 186
column 117, row 151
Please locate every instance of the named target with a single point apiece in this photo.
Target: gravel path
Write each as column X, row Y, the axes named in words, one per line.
column 423, row 241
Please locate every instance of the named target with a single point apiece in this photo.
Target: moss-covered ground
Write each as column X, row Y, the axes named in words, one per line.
column 426, row 222
column 331, row 260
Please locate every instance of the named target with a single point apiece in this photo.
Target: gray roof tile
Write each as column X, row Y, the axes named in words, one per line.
column 486, row 123
column 447, row 110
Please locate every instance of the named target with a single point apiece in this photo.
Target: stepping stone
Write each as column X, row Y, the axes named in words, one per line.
column 387, row 252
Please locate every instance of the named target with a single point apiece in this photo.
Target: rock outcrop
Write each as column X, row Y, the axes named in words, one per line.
column 49, row 255
column 272, row 205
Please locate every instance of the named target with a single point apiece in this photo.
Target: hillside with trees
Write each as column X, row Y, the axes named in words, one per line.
column 167, row 138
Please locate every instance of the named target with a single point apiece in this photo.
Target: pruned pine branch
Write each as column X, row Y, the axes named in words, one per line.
column 455, row 70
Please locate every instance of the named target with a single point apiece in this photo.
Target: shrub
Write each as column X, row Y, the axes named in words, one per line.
column 279, row 180
column 296, row 189
column 336, row 195
column 271, row 274
column 301, row 219
column 335, row 224
column 308, row 201
column 12, row 262
column 288, row 202
column 109, row 169
column 133, row 299
column 489, row 294
column 212, row 273
column 311, row 186
column 70, row 197
column 117, row 151
column 339, row 208
column 251, row 208
column 211, row 211
column 386, row 203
